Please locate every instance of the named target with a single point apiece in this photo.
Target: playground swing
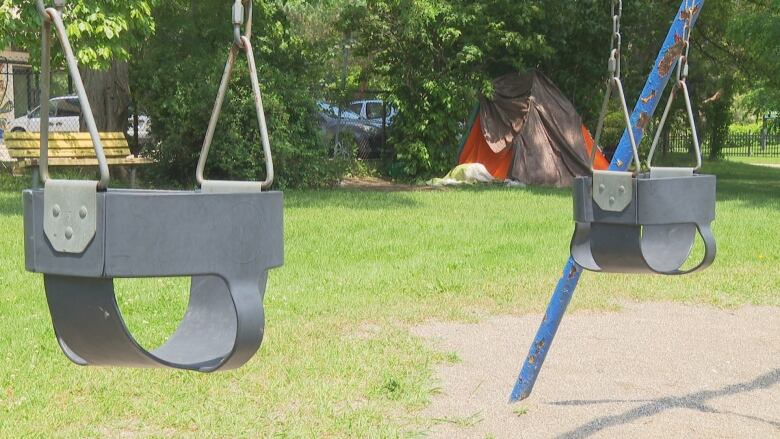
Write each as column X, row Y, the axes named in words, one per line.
column 666, row 205
column 225, row 236
column 635, row 222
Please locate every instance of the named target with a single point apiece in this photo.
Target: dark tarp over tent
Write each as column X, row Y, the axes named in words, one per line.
column 531, row 133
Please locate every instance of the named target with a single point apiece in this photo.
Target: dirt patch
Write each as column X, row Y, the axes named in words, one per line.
column 380, row 185
column 652, row 370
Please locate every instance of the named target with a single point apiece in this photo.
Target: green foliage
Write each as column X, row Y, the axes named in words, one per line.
column 433, row 58
column 176, row 80
column 100, row 31
column 755, row 31
column 750, row 128
column 719, row 117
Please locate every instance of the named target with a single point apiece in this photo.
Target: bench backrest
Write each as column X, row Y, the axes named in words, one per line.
column 65, row 145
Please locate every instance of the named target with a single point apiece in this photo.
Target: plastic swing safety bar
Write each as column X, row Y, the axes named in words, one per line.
column 645, row 108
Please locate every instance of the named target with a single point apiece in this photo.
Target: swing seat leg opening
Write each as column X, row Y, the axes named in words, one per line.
column 206, row 339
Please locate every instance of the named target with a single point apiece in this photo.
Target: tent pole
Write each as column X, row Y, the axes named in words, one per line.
column 643, row 112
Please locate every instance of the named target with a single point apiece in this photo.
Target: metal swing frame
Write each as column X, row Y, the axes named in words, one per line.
column 226, row 237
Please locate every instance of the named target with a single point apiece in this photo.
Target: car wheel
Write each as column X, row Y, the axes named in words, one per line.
column 18, row 130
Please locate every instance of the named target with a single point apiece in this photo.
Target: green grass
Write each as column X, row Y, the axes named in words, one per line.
column 520, row 411
column 756, row 160
column 361, row 267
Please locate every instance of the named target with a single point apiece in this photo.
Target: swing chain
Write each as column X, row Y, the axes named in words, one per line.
column 242, row 14
column 242, row 11
column 617, row 39
column 615, row 84
column 52, row 17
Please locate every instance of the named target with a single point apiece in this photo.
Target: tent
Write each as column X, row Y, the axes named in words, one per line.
column 529, row 132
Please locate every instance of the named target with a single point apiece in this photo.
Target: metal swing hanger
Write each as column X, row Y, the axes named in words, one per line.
column 54, row 16
column 615, row 83
column 680, row 84
column 241, row 42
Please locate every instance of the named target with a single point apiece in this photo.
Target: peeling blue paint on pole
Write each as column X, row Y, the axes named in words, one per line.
column 643, row 112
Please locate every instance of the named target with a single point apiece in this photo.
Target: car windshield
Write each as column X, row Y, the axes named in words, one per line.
column 59, row 104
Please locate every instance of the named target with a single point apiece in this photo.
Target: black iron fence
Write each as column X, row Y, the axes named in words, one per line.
column 736, row 144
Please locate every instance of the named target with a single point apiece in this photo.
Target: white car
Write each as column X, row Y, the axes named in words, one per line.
column 371, row 110
column 64, row 114
column 64, row 117
column 144, row 128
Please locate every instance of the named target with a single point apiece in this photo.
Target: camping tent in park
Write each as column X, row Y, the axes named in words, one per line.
column 529, row 132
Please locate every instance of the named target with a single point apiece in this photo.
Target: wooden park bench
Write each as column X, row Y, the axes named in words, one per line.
column 71, row 149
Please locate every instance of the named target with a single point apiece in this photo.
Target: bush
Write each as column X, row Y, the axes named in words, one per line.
column 176, row 78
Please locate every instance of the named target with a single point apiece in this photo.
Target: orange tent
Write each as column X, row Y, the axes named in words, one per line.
column 528, row 131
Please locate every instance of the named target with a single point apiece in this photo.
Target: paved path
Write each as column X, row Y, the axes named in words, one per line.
column 652, row 370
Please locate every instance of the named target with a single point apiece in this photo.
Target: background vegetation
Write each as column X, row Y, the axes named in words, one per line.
column 430, row 58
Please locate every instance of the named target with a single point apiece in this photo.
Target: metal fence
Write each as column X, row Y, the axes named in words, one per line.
column 736, row 144
column 357, row 126
column 20, row 106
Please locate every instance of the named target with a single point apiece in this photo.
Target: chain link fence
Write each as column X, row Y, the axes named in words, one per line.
column 20, row 106
column 357, row 127
column 355, row 124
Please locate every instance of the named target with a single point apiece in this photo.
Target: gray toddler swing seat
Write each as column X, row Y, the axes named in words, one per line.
column 225, row 236
column 644, row 222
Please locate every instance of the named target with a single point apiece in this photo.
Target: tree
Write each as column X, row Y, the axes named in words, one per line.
column 434, row 57
column 176, row 79
column 103, row 35
column 755, row 32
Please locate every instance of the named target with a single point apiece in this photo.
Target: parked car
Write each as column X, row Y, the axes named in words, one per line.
column 144, row 128
column 332, row 112
column 371, row 110
column 347, row 129
column 65, row 115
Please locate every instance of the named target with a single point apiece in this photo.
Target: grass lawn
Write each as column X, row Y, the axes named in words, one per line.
column 760, row 160
column 361, row 267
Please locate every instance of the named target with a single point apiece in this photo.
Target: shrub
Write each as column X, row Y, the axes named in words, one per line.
column 176, row 78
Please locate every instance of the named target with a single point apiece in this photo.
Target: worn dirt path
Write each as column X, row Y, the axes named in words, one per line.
column 651, row 370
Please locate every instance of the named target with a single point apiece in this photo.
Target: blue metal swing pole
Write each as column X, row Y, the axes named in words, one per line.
column 643, row 112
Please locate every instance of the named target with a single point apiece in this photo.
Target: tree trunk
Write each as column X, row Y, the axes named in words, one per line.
column 109, row 95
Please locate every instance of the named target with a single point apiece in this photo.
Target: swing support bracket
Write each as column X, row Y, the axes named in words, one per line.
column 612, row 190
column 70, row 214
